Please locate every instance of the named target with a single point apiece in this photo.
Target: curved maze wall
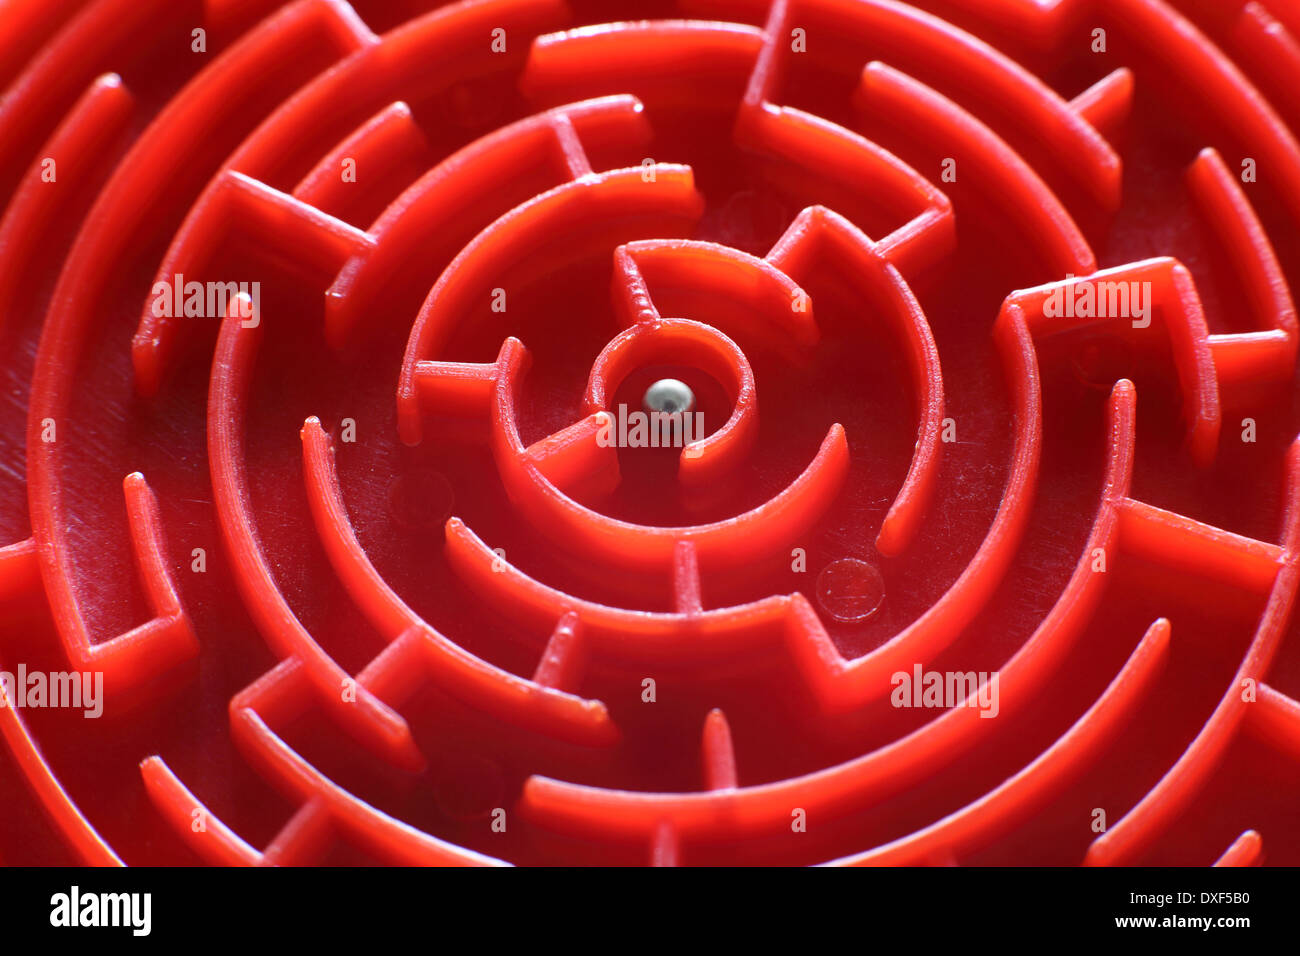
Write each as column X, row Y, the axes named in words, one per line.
column 366, row 584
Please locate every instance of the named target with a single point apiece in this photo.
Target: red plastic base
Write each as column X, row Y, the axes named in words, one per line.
column 985, row 307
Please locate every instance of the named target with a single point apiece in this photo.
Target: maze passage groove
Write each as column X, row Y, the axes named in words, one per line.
column 665, row 432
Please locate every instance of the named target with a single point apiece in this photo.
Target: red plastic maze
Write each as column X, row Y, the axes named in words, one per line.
column 700, row 432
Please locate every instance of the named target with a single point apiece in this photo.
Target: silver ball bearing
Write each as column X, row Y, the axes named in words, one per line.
column 669, row 396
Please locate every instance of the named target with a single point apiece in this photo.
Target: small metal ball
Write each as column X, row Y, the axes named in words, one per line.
column 669, row 396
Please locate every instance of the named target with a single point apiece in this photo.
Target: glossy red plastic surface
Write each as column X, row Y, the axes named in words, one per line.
column 367, row 581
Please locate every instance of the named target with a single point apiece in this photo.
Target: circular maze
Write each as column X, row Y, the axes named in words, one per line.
column 330, row 337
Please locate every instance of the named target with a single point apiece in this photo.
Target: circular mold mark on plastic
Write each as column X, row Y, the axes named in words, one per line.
column 850, row 590
column 420, row 498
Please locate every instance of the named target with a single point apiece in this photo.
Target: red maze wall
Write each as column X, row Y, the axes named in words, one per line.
column 364, row 581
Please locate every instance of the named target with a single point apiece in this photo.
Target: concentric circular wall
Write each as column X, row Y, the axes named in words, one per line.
column 329, row 479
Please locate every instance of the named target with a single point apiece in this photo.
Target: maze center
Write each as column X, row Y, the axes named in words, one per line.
column 778, row 432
